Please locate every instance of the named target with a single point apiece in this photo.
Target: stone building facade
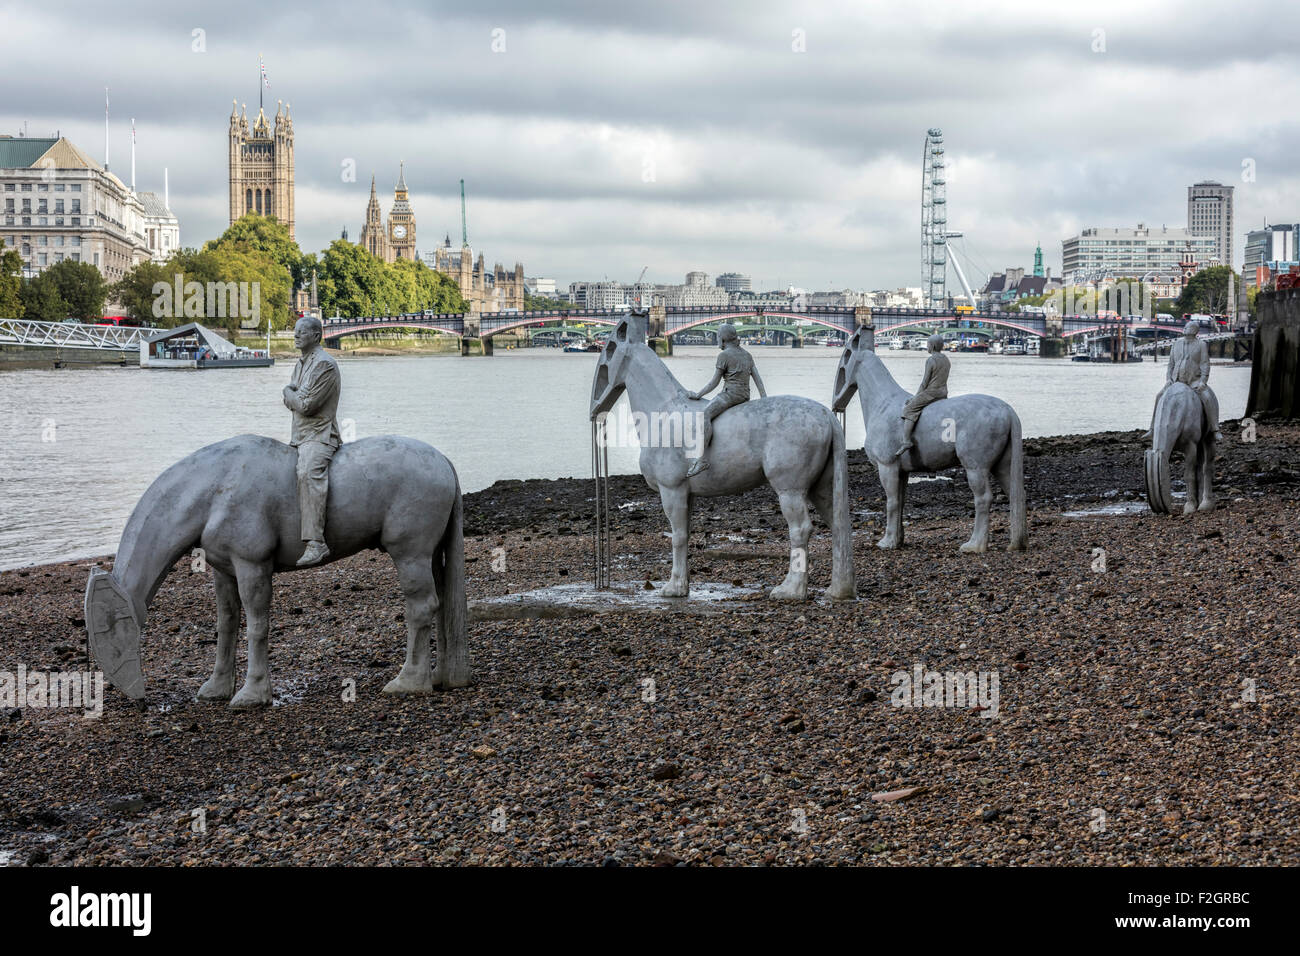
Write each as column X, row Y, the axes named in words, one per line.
column 396, row 240
column 261, row 166
column 483, row 291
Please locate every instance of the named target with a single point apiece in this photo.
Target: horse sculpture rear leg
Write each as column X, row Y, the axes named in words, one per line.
column 979, row 484
column 221, row 685
column 794, row 505
column 255, row 594
column 677, row 507
column 416, row 576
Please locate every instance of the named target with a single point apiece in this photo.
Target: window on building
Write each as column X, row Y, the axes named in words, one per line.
column 76, row 205
column 58, row 205
column 76, row 220
column 9, row 187
column 42, row 188
column 76, row 187
column 27, row 205
column 76, row 257
column 43, row 259
column 27, row 187
column 74, row 241
column 59, row 188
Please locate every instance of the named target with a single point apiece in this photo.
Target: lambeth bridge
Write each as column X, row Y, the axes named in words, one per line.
column 476, row 331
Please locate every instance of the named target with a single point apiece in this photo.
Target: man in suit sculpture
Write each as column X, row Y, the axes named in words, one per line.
column 313, row 396
column 934, row 386
column 1189, row 363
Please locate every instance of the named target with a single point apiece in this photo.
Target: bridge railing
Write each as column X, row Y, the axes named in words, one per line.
column 72, row 335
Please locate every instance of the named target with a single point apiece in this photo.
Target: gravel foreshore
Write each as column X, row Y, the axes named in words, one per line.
column 1146, row 668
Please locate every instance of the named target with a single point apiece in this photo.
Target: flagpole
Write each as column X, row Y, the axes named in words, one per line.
column 106, row 129
column 133, row 154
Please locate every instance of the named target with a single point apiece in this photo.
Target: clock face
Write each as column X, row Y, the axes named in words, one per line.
column 399, row 232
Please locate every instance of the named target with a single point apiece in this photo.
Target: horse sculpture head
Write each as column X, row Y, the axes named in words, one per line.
column 610, row 380
column 846, row 374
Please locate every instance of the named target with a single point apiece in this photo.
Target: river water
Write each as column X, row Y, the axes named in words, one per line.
column 81, row 445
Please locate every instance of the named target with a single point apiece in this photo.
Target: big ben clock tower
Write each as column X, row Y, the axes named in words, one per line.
column 401, row 222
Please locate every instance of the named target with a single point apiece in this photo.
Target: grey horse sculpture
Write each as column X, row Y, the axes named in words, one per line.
column 1180, row 425
column 979, row 432
column 793, row 443
column 237, row 501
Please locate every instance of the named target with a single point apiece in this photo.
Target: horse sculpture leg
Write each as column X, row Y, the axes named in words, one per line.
column 255, row 594
column 794, row 505
column 1206, row 473
column 1190, row 451
column 415, row 573
column 894, row 481
column 221, row 685
column 677, row 507
column 979, row 484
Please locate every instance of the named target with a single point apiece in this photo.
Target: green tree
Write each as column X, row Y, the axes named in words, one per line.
column 41, row 300
column 267, row 236
column 81, row 287
column 538, row 303
column 1207, row 292
column 234, row 281
column 11, row 284
column 351, row 281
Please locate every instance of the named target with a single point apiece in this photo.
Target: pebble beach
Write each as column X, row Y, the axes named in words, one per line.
column 1145, row 668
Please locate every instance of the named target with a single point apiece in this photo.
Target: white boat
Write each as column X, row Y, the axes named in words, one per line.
column 896, row 344
column 1014, row 348
column 995, row 348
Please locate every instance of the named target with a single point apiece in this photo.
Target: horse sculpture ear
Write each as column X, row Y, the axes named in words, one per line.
column 636, row 323
column 620, row 331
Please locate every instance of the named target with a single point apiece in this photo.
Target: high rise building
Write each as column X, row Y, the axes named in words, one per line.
column 1209, row 213
column 1101, row 253
column 261, row 165
column 58, row 203
column 733, row 282
column 1272, row 249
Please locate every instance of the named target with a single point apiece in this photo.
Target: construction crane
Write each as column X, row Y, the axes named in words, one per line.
column 464, row 228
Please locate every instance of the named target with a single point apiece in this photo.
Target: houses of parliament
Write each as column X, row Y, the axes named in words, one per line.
column 261, row 182
column 483, row 291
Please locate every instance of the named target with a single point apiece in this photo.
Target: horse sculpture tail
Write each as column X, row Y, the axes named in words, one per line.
column 449, row 572
column 843, row 585
column 1016, row 491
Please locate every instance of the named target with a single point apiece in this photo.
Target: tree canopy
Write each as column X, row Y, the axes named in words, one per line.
column 11, row 284
column 1207, row 292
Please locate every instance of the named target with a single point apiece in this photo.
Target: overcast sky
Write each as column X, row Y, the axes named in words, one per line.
column 601, row 137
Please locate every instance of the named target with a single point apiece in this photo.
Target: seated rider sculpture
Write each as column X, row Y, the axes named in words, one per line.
column 313, row 396
column 934, row 386
column 736, row 367
column 1189, row 363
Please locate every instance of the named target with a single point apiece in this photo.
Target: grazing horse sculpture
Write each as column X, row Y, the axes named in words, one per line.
column 237, row 501
column 1180, row 425
column 794, row 443
column 979, row 432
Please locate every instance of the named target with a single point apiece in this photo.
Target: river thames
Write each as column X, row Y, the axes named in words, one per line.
column 82, row 445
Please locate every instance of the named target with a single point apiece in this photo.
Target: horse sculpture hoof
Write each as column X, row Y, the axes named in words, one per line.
column 789, row 592
column 1206, row 506
column 248, row 699
column 888, row 544
column 674, row 589
column 974, row 547
column 402, row 684
column 217, row 688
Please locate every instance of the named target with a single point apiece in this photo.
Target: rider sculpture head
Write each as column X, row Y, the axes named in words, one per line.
column 307, row 333
column 727, row 334
column 935, row 343
column 1191, row 329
